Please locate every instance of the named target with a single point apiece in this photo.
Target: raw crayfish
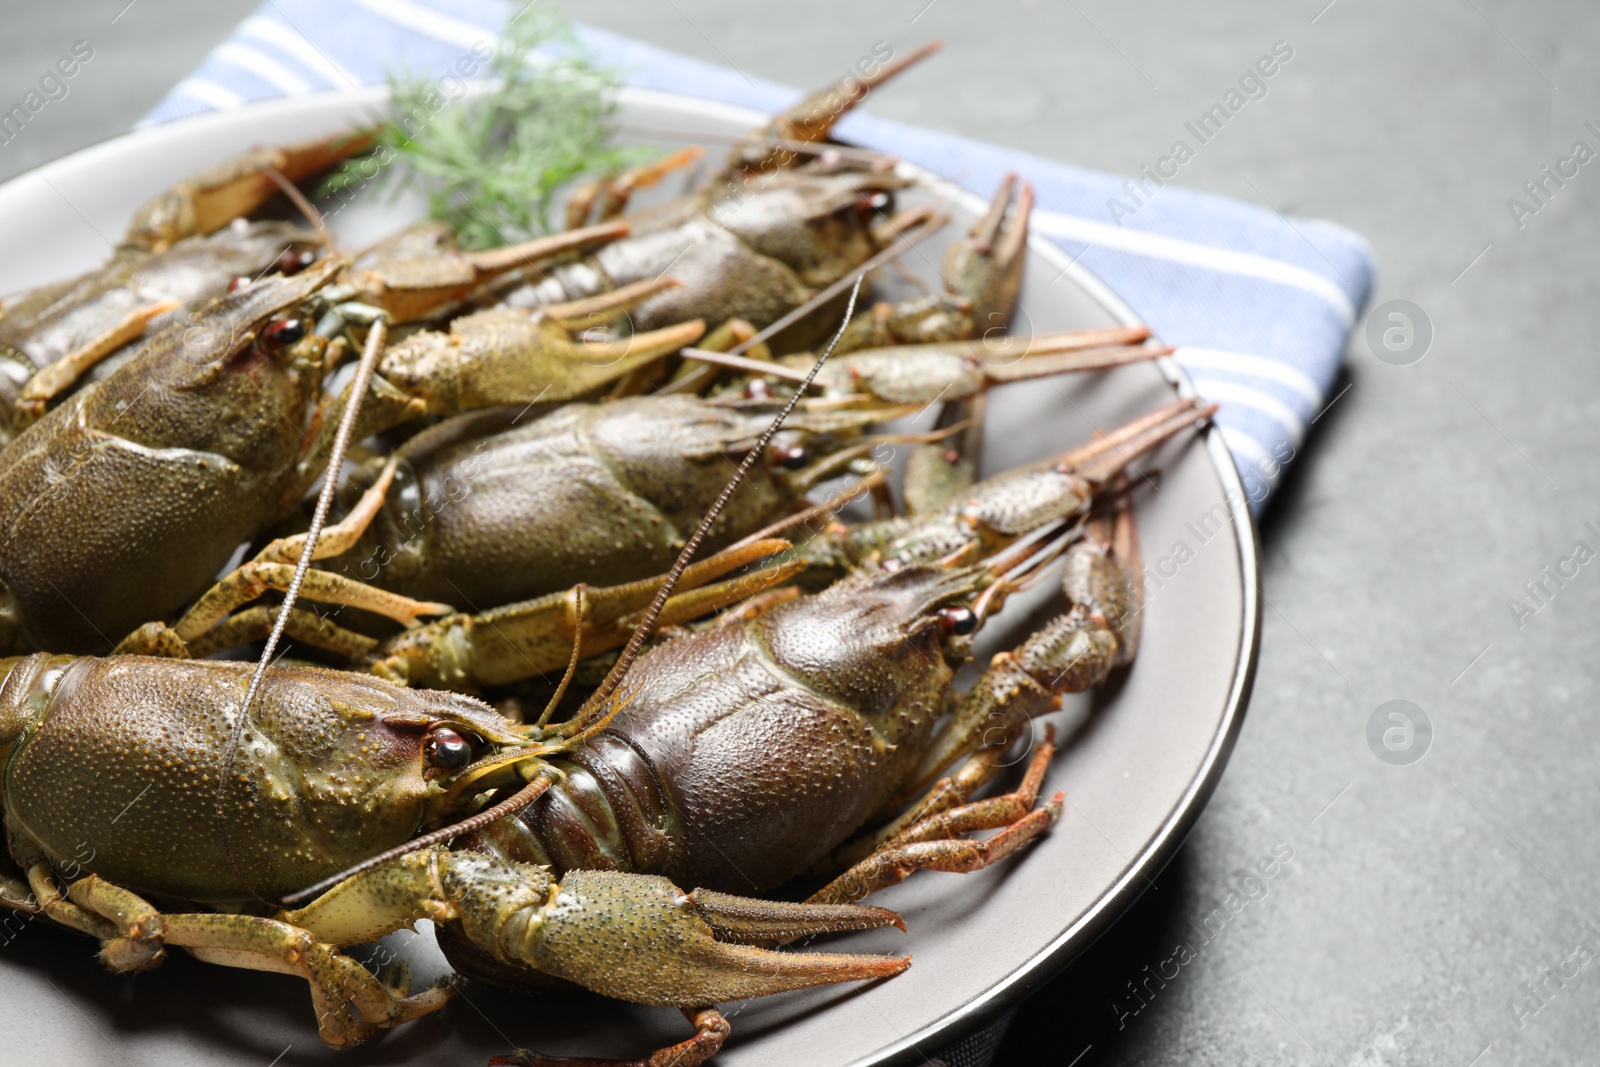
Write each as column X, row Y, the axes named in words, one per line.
column 575, row 876
column 569, row 840
column 216, row 428
column 54, row 335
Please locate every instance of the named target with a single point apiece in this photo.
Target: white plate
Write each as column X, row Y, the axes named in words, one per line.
column 1141, row 762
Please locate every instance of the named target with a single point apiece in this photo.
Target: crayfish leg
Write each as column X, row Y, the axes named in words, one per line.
column 55, row 379
column 211, row 625
column 521, row 640
column 254, row 578
column 930, row 837
column 343, row 535
column 52, row 903
column 256, row 623
column 351, row 1004
column 937, row 472
column 711, row 1029
column 616, row 192
column 958, row 855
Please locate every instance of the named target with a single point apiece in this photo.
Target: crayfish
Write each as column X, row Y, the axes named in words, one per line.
column 794, row 715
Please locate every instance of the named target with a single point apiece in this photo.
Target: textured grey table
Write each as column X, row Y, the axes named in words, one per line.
column 1421, row 901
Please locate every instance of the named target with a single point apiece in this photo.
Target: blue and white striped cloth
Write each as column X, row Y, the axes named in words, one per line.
column 1260, row 307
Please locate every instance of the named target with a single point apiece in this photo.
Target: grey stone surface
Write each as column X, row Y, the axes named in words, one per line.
column 1420, row 899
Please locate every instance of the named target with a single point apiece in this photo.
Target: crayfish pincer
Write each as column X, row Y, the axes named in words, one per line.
column 334, row 769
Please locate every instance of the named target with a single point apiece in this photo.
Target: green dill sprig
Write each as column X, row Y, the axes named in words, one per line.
column 492, row 165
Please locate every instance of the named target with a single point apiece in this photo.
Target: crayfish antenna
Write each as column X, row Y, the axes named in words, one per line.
column 581, row 610
column 647, row 624
column 302, row 204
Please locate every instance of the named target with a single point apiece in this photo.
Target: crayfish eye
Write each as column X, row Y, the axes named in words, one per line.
column 789, row 457
column 447, row 749
column 295, row 260
column 960, row 621
column 872, row 202
column 281, row 333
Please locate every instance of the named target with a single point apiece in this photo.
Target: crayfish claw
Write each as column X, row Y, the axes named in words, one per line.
column 141, row 941
column 986, row 266
column 137, row 952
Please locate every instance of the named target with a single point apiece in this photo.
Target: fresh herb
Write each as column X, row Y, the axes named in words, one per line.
column 493, row 165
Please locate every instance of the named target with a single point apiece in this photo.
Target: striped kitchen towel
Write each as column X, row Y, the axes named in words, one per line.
column 1259, row 306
